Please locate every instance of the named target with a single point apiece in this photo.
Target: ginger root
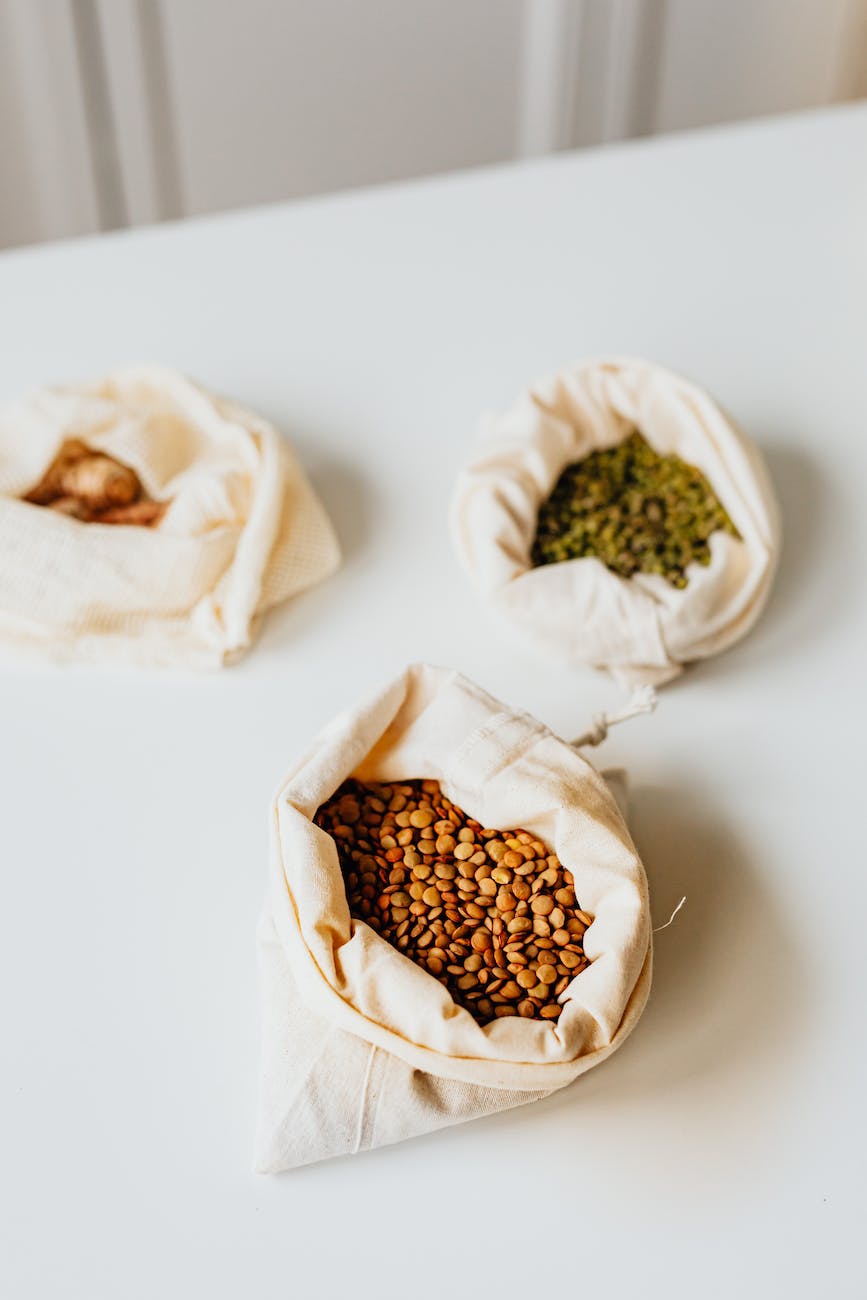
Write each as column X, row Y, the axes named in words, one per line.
column 143, row 513
column 48, row 489
column 94, row 488
column 100, row 482
column 70, row 506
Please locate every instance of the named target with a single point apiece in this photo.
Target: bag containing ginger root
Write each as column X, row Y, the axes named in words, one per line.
column 144, row 520
column 457, row 922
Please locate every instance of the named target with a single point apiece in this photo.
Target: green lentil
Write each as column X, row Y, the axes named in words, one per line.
column 637, row 511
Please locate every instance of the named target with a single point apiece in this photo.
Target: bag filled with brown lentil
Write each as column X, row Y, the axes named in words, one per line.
column 619, row 518
column 457, row 923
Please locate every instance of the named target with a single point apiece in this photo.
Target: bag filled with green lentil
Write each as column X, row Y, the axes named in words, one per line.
column 619, row 518
column 457, row 923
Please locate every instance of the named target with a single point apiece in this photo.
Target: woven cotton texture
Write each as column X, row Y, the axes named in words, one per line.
column 244, row 529
column 642, row 629
column 361, row 1046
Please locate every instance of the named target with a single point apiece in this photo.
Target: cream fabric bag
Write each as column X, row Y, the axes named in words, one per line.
column 642, row 629
column 361, row 1046
column 244, row 529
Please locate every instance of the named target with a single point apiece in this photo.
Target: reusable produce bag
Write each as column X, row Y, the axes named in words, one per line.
column 242, row 531
column 642, row 629
column 361, row 1046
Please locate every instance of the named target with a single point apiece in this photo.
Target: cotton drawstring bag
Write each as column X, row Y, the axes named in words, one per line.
column 242, row 529
column 361, row 1046
column 642, row 628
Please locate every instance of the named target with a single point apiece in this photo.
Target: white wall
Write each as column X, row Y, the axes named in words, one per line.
column 747, row 57
column 47, row 185
column 336, row 93
column 122, row 111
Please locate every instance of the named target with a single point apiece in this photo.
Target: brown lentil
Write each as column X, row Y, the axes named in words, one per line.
column 419, row 871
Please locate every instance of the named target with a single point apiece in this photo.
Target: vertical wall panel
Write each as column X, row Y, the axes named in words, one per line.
column 130, row 107
column 47, row 184
column 20, row 217
column 745, row 58
column 553, row 56
column 142, row 100
column 276, row 98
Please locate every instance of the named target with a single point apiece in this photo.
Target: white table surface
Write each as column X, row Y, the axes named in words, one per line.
column 721, row 1152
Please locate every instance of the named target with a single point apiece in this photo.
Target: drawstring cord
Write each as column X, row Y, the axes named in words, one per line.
column 657, row 928
column 643, row 700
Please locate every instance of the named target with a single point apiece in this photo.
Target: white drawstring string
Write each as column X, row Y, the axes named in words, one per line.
column 671, row 918
column 643, row 700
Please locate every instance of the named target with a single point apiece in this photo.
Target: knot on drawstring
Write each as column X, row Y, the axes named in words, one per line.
column 642, row 700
